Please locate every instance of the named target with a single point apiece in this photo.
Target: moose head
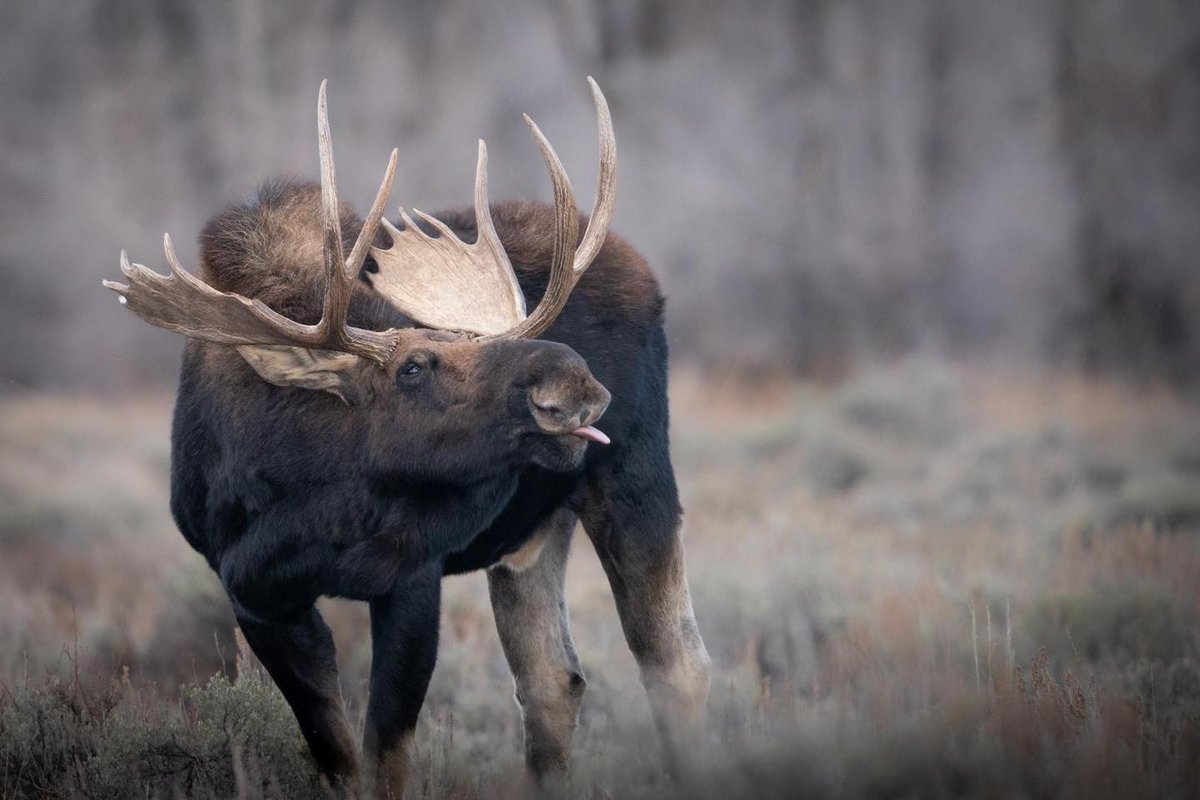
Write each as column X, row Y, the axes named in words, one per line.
column 467, row 379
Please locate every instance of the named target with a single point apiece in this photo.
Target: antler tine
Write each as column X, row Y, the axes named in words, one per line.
column 566, row 233
column 340, row 275
column 169, row 252
column 362, row 246
column 486, row 231
column 337, row 287
column 606, row 186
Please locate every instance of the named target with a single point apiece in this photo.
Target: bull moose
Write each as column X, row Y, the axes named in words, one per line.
column 361, row 425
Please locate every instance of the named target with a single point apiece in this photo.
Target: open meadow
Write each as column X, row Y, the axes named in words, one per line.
column 926, row 579
column 931, row 274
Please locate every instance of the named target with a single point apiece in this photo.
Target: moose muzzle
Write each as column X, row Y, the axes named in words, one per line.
column 569, row 403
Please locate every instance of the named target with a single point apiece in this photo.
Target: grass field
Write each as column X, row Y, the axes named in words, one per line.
column 925, row 580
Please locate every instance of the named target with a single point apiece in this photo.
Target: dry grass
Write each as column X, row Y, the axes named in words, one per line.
column 926, row 580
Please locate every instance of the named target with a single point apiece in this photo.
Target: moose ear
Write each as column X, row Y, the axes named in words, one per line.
column 327, row 370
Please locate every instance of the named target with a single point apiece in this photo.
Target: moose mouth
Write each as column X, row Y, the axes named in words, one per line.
column 592, row 434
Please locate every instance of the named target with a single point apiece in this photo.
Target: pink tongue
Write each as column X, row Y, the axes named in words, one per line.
column 591, row 434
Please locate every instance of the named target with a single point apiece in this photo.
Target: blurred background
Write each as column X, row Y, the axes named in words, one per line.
column 814, row 180
column 934, row 309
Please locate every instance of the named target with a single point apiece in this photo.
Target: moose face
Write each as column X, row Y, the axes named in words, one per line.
column 449, row 406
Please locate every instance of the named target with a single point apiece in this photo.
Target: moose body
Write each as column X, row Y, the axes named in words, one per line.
column 282, row 527
column 308, row 471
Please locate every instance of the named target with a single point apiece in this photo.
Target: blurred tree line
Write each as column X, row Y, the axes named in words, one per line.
column 814, row 180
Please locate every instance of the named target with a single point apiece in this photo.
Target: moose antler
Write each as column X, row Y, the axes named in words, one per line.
column 440, row 282
column 445, row 283
column 183, row 303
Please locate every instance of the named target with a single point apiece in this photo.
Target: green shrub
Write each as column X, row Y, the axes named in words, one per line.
column 227, row 738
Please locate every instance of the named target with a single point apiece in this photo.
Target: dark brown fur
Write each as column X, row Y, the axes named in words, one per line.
column 291, row 493
column 270, row 247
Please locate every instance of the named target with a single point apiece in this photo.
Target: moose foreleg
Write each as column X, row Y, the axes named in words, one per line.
column 404, row 635
column 531, row 618
column 299, row 656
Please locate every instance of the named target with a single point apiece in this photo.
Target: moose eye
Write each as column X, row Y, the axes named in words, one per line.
column 417, row 362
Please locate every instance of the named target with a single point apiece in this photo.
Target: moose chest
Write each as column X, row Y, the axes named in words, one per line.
column 351, row 540
column 538, row 493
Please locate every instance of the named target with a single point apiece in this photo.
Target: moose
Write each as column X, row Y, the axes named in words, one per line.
column 360, row 425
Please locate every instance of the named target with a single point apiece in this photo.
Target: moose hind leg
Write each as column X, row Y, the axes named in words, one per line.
column 632, row 516
column 300, row 658
column 531, row 618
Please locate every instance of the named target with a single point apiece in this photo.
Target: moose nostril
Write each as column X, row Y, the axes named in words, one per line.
column 595, row 407
column 587, row 414
column 548, row 407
